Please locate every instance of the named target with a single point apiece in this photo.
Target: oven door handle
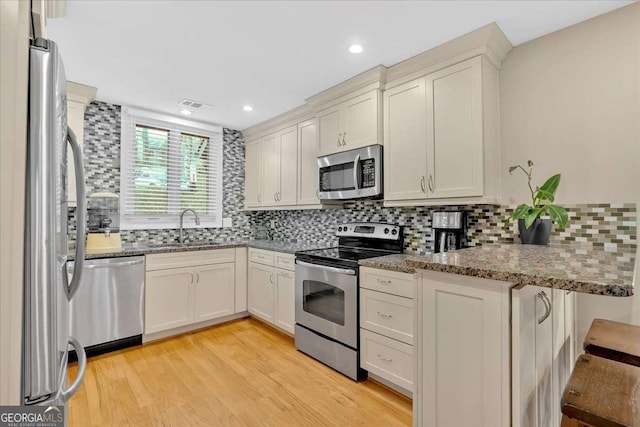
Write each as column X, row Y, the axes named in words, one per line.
column 327, row 268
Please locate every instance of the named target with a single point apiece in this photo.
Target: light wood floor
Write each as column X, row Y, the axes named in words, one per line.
column 237, row 374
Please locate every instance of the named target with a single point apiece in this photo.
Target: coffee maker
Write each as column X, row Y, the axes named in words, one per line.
column 449, row 229
column 104, row 222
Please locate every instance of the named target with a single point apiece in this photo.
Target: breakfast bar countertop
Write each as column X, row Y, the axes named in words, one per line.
column 576, row 267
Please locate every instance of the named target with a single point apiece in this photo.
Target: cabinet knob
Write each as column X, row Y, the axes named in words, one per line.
column 386, row 316
column 343, row 141
column 385, row 359
column 547, row 305
column 422, row 184
column 259, row 198
column 431, row 183
column 384, row 282
column 339, row 135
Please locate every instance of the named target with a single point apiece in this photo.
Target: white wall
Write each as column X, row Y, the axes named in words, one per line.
column 570, row 101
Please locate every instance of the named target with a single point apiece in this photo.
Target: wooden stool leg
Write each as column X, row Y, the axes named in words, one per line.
column 569, row 422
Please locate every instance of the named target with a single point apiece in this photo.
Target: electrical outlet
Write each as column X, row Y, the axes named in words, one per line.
column 272, row 224
column 227, row 222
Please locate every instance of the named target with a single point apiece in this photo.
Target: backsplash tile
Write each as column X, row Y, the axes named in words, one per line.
column 608, row 226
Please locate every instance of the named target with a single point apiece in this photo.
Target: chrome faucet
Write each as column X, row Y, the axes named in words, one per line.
column 181, row 238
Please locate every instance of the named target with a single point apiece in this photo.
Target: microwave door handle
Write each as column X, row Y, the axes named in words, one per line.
column 356, row 165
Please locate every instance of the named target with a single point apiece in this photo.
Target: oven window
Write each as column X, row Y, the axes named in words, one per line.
column 323, row 300
column 337, row 177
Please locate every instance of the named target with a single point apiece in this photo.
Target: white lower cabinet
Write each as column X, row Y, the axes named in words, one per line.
column 463, row 352
column 271, row 288
column 168, row 299
column 542, row 348
column 188, row 288
column 261, row 291
column 214, row 291
column 387, row 325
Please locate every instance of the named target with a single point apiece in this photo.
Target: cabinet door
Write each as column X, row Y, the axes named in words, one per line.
column 214, row 291
column 405, row 151
column 307, row 164
column 361, row 115
column 464, row 346
column 261, row 290
column 329, row 132
column 288, row 141
column 168, row 299
column 75, row 120
column 454, row 132
column 270, row 169
column 532, row 355
column 253, row 174
column 285, row 301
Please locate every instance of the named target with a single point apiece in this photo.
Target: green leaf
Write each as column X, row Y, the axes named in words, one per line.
column 530, row 163
column 532, row 216
column 558, row 215
column 545, row 195
column 552, row 184
column 520, row 212
column 512, row 168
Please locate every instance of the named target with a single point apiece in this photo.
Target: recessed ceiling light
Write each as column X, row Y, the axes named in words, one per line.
column 356, row 48
column 186, row 112
column 247, row 108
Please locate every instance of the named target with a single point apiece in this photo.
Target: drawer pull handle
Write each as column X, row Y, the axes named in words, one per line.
column 385, row 359
column 386, row 316
column 384, row 282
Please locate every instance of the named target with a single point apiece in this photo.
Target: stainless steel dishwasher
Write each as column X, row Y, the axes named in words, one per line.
column 107, row 311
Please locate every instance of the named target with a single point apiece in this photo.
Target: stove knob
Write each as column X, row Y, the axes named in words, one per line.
column 386, row 231
column 346, row 228
column 339, row 228
column 394, row 231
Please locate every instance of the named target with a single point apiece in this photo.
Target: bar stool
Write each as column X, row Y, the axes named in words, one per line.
column 614, row 341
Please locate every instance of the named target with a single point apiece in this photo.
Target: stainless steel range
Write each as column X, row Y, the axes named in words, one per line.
column 327, row 294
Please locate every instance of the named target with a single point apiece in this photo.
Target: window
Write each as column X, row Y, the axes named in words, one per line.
column 169, row 164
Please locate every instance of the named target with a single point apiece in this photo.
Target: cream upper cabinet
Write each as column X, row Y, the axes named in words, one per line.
column 405, row 135
column 307, row 164
column 271, row 174
column 454, row 136
column 288, row 145
column 270, row 169
column 442, row 136
column 78, row 97
column 350, row 124
column 253, row 174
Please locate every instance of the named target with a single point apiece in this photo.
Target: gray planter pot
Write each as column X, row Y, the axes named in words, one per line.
column 538, row 234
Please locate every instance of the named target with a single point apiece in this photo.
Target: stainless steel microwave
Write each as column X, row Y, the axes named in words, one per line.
column 351, row 174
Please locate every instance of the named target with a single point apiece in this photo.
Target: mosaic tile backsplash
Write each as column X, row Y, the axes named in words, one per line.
column 608, row 226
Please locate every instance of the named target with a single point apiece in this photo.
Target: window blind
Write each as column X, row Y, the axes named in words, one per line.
column 169, row 167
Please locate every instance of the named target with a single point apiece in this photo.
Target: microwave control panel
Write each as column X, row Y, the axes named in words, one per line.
column 368, row 173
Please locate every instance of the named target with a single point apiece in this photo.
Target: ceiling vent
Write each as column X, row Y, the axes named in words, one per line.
column 196, row 105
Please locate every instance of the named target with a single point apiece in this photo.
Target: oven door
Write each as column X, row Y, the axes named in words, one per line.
column 351, row 174
column 327, row 301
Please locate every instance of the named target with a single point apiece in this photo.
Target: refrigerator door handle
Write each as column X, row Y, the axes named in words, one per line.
column 81, row 212
column 82, row 369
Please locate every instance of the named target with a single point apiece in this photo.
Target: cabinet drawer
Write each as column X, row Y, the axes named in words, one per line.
column 189, row 258
column 285, row 261
column 387, row 358
column 386, row 314
column 390, row 282
column 261, row 256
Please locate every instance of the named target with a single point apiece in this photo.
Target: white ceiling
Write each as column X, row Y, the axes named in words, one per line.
column 269, row 54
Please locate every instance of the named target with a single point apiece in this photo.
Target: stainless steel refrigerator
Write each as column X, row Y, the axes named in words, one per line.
column 47, row 288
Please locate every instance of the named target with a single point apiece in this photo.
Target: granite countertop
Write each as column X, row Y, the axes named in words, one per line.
column 134, row 249
column 570, row 267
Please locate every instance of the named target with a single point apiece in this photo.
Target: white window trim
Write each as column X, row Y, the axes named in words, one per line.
column 153, row 223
